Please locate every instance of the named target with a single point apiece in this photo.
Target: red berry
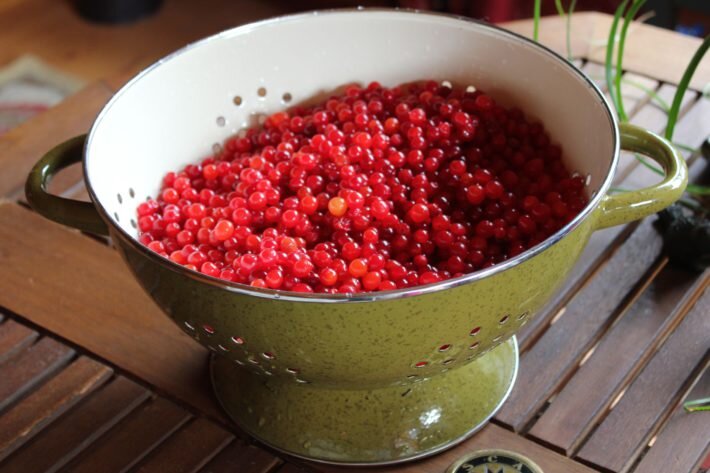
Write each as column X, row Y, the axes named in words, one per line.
column 223, row 230
column 373, row 190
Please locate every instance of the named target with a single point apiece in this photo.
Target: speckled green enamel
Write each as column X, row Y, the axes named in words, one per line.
column 363, row 426
column 361, row 344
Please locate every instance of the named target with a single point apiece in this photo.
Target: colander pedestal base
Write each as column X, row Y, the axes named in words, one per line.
column 379, row 426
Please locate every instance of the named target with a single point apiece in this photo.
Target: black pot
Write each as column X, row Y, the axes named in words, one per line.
column 116, row 11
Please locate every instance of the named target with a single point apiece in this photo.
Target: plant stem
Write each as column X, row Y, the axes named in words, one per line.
column 697, row 405
column 687, row 148
column 690, row 204
column 683, row 86
column 654, row 96
column 558, row 6
column 697, row 190
column 650, row 166
column 568, row 29
column 536, row 19
column 620, row 55
column 610, row 52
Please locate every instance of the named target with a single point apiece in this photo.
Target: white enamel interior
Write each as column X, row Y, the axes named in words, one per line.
column 169, row 116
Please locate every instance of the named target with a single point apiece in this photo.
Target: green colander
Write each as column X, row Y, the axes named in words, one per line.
column 373, row 378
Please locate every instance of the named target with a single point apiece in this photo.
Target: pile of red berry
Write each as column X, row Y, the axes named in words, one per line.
column 373, row 190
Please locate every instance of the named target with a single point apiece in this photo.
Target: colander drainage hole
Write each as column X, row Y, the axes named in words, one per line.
column 238, row 340
column 221, row 121
column 115, row 215
column 131, row 192
column 523, row 315
column 189, row 326
column 133, row 223
column 209, row 330
column 120, row 199
column 475, row 331
column 268, row 355
column 287, row 97
column 237, row 100
column 473, row 346
column 292, row 370
column 449, row 361
column 261, row 91
column 504, row 319
column 216, row 148
column 421, row 364
column 302, row 381
column 445, row 347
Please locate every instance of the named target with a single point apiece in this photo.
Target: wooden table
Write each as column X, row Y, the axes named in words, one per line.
column 93, row 378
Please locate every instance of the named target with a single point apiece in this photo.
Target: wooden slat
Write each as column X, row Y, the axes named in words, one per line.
column 68, row 436
column 652, row 118
column 559, row 350
column 291, row 467
column 552, row 32
column 89, row 297
column 557, row 355
column 30, row 367
column 187, row 450
column 694, row 128
column 13, row 338
column 635, row 98
column 241, row 457
column 631, row 423
column 491, row 436
column 23, row 146
column 602, row 242
column 589, row 33
column 43, row 406
column 671, row 51
column 600, row 245
column 684, row 441
column 592, row 389
column 132, row 439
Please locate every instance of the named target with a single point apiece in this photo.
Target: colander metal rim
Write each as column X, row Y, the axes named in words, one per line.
column 365, row 296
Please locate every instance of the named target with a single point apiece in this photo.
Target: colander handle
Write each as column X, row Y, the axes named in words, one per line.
column 629, row 206
column 72, row 213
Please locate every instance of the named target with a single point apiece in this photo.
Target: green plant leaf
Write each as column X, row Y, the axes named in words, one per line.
column 697, row 405
column 683, row 86
column 610, row 53
column 560, row 10
column 688, row 203
column 536, row 19
column 628, row 19
column 568, row 29
column 697, row 190
column 687, row 148
column 693, row 189
column 650, row 166
column 651, row 93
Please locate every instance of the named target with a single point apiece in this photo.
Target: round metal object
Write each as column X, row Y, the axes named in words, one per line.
column 494, row 460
